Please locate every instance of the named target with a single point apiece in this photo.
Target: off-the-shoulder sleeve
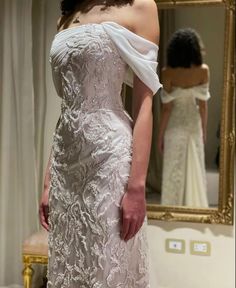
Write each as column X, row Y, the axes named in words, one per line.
column 166, row 97
column 202, row 92
column 139, row 53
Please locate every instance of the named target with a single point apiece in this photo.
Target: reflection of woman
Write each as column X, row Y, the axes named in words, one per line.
column 184, row 121
column 98, row 165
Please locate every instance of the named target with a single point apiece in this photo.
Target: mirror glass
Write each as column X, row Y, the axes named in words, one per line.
column 193, row 184
column 186, row 173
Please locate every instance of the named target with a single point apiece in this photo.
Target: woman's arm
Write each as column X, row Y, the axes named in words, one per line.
column 166, row 109
column 142, row 132
column 165, row 115
column 203, row 110
column 133, row 203
column 203, row 106
column 43, row 206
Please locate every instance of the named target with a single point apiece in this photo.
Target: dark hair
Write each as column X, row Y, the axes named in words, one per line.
column 184, row 49
column 69, row 6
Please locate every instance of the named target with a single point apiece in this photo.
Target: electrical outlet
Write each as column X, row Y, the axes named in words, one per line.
column 175, row 246
column 200, row 248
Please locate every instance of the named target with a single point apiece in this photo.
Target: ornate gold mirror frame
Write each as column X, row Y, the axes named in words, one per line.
column 224, row 213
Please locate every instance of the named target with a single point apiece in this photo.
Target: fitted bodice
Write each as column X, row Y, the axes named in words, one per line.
column 185, row 113
column 179, row 94
column 89, row 64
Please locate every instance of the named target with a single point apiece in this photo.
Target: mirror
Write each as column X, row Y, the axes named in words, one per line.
column 192, row 180
column 188, row 171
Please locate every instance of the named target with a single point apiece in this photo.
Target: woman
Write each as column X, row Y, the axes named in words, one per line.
column 95, row 180
column 183, row 125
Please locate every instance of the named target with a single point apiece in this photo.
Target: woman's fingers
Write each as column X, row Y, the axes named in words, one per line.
column 125, row 227
column 134, row 231
column 43, row 215
column 44, row 209
column 133, row 211
column 140, row 224
column 130, row 227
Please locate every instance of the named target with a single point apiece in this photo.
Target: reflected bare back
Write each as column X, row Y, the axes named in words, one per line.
column 185, row 77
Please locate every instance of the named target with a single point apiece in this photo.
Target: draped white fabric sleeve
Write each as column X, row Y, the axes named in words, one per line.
column 139, row 53
column 166, row 97
column 200, row 92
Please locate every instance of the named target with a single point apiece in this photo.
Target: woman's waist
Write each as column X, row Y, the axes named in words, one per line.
column 181, row 113
column 96, row 134
column 77, row 114
column 94, row 120
column 88, row 103
column 184, row 125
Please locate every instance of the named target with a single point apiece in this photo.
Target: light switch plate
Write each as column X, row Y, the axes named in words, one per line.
column 200, row 248
column 175, row 246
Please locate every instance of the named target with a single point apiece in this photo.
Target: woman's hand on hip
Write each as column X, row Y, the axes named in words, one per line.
column 133, row 212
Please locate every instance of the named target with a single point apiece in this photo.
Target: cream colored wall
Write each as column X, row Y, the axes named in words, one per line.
column 190, row 271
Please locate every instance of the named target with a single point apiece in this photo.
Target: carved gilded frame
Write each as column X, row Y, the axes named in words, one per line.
column 225, row 212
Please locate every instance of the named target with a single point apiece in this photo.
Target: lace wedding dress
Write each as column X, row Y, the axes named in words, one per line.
column 184, row 175
column 91, row 157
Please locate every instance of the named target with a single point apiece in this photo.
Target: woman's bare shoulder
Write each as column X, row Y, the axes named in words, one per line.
column 204, row 67
column 147, row 9
column 145, row 12
column 167, row 71
column 202, row 70
column 205, row 72
column 144, row 4
column 166, row 74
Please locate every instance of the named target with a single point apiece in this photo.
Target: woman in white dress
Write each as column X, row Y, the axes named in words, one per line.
column 183, row 124
column 95, row 181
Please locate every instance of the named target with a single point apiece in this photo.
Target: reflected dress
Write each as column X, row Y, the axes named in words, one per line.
column 184, row 173
column 91, row 157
